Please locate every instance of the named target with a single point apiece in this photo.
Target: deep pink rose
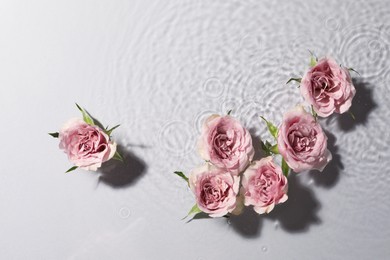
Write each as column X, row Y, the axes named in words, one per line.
column 328, row 87
column 301, row 141
column 86, row 146
column 264, row 185
column 225, row 143
column 215, row 189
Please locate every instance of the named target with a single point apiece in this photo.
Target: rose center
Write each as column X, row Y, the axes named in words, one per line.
column 224, row 144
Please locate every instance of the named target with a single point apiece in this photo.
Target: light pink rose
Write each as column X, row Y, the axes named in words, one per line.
column 328, row 87
column 301, row 141
column 215, row 189
column 86, row 146
column 225, row 143
column 264, row 185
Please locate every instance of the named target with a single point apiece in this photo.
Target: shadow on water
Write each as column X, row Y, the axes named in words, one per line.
column 299, row 212
column 331, row 174
column 362, row 105
column 248, row 224
column 118, row 174
column 296, row 215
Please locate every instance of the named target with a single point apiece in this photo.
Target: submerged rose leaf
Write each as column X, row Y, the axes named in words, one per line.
column 86, row 117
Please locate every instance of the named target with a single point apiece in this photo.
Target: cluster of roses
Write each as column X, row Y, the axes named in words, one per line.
column 229, row 179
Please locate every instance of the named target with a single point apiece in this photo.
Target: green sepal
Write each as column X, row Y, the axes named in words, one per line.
column 72, row 169
column 313, row 59
column 109, row 131
column 117, row 157
column 194, row 210
column 314, row 113
column 181, row 174
column 285, row 168
column 352, row 115
column 265, row 148
column 86, row 117
column 55, row 135
column 274, row 149
column 271, row 128
column 229, row 112
column 294, row 79
column 351, row 69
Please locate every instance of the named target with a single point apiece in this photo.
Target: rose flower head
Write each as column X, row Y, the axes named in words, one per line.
column 264, row 185
column 302, row 142
column 215, row 189
column 226, row 143
column 328, row 88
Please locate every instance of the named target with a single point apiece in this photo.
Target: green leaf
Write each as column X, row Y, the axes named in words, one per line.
column 55, row 135
column 229, row 112
column 112, row 129
column 314, row 113
column 274, row 149
column 117, row 157
column 181, row 174
column 313, row 59
column 294, row 79
column 194, row 210
column 265, row 148
column 72, row 169
column 352, row 115
column 86, row 117
column 271, row 128
column 285, row 168
column 351, row 69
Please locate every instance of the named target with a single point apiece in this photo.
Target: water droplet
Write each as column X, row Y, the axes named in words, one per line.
column 213, row 87
column 250, row 43
column 264, row 249
column 124, row 212
column 177, row 138
column 332, row 24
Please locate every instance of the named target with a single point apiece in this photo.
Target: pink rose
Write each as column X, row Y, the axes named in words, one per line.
column 225, row 143
column 264, row 185
column 301, row 141
column 328, row 87
column 87, row 146
column 215, row 189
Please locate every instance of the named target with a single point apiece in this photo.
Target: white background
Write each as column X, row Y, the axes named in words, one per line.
column 159, row 68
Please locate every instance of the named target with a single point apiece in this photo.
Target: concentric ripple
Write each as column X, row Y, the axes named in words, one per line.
column 365, row 48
